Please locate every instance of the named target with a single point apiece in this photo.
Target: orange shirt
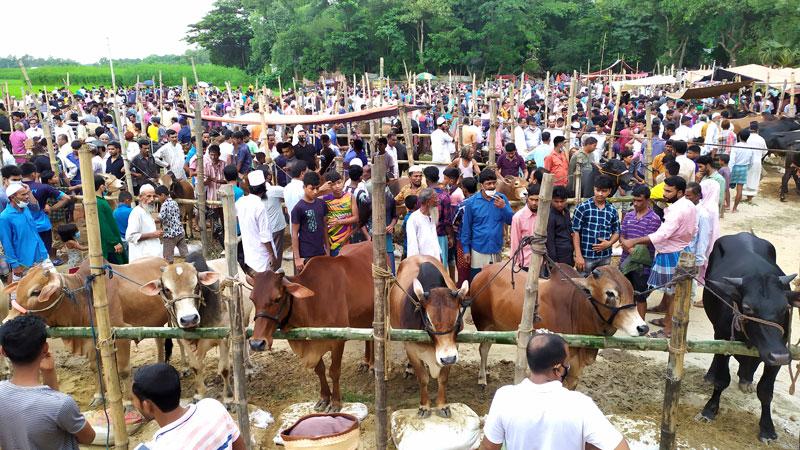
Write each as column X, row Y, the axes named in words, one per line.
column 557, row 164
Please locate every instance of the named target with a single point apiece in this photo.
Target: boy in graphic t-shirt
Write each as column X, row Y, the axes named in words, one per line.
column 309, row 225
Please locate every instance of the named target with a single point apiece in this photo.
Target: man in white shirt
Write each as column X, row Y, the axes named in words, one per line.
column 391, row 150
column 519, row 137
column 759, row 149
column 171, row 156
column 684, row 132
column 259, row 253
column 421, row 236
column 442, row 145
column 539, row 413
column 62, row 128
column 712, row 133
column 697, row 128
column 293, row 191
column 34, row 130
column 687, row 169
column 533, row 135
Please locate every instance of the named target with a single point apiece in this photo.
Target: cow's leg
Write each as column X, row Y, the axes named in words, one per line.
column 196, row 357
column 336, row 372
column 484, row 351
column 747, row 368
column 324, row 389
column 766, row 386
column 160, row 351
column 224, row 370
column 368, row 364
column 442, row 408
column 719, row 373
column 422, row 378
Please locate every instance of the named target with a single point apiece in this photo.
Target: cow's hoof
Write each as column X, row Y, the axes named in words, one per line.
column 321, row 405
column 334, row 408
column 423, row 412
column 186, row 373
column 768, row 437
column 362, row 367
column 747, row 388
column 444, row 412
column 407, row 374
column 97, row 400
column 703, row 418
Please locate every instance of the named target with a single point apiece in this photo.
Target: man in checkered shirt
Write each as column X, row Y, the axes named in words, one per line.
column 595, row 224
column 174, row 235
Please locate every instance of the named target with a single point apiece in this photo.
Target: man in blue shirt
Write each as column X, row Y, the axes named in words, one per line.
column 485, row 214
column 185, row 132
column 42, row 193
column 595, row 226
column 244, row 159
column 122, row 213
column 22, row 244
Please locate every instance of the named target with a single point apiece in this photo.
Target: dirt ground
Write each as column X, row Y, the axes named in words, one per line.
column 627, row 385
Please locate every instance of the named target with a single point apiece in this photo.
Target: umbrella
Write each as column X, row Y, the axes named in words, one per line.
column 202, row 84
column 149, row 82
column 426, row 76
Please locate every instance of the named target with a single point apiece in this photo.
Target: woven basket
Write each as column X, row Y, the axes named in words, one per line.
column 344, row 440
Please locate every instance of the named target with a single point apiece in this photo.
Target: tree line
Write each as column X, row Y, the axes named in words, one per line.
column 302, row 38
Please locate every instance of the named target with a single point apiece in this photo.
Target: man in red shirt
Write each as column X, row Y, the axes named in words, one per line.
column 557, row 162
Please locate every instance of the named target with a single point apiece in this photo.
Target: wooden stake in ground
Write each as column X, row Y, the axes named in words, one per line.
column 530, row 305
column 200, row 185
column 379, row 324
column 791, row 96
column 237, row 336
column 648, row 130
column 547, row 98
column 42, row 120
column 118, row 117
column 105, row 342
column 407, row 136
column 780, row 99
column 570, row 109
column 160, row 99
column 492, row 129
column 617, row 109
column 677, row 349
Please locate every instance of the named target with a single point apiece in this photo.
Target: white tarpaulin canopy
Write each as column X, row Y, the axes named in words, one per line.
column 649, row 81
column 759, row 73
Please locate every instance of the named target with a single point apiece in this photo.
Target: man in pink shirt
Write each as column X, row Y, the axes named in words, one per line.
column 523, row 224
column 17, row 140
column 671, row 238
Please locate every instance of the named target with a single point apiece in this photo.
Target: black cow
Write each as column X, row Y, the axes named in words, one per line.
column 617, row 171
column 743, row 271
column 788, row 140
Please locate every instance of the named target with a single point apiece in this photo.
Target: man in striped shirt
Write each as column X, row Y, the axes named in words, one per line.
column 205, row 425
column 641, row 221
column 595, row 226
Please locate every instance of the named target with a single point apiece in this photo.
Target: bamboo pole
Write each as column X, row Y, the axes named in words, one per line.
column 48, row 136
column 237, row 334
column 677, row 345
column 407, row 134
column 791, row 96
column 648, row 129
column 474, row 96
column 200, row 183
column 578, row 193
column 530, row 305
column 721, row 347
column 492, row 129
column 379, row 288
column 100, row 303
column 160, row 98
column 570, row 109
column 546, row 97
column 616, row 113
column 780, row 100
column 118, row 118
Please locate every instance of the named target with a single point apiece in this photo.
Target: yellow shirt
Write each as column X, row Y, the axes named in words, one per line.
column 152, row 133
column 657, row 192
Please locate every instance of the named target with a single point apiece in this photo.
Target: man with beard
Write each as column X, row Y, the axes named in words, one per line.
column 144, row 168
column 114, row 164
column 414, row 184
column 523, row 224
column 205, row 425
column 305, row 151
column 671, row 238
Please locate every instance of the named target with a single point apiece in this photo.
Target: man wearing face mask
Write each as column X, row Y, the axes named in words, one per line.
column 305, row 151
column 671, row 238
column 540, row 413
column 485, row 214
column 522, row 225
column 22, row 244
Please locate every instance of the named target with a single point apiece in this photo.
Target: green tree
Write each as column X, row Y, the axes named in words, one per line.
column 225, row 32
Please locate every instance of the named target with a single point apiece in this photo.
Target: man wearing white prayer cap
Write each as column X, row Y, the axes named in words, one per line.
column 257, row 245
column 414, row 184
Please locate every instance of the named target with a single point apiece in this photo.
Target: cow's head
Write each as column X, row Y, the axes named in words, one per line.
column 766, row 297
column 113, row 184
column 442, row 311
column 613, row 295
column 515, row 188
column 37, row 293
column 179, row 287
column 273, row 295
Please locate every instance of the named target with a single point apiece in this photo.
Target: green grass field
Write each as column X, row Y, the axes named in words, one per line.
column 88, row 76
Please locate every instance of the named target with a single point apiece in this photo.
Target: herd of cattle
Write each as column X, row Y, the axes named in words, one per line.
column 333, row 292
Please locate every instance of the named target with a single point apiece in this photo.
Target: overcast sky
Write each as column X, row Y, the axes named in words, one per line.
column 78, row 30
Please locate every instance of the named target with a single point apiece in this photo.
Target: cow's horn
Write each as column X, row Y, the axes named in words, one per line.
column 786, row 279
column 280, row 271
column 734, row 281
column 596, row 273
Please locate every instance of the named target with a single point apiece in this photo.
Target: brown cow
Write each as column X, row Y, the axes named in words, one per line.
column 329, row 292
column 427, row 299
column 514, row 188
column 62, row 301
column 191, row 287
column 602, row 305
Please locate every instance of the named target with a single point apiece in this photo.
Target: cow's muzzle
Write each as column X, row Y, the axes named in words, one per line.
column 448, row 360
column 777, row 358
column 258, row 345
column 189, row 320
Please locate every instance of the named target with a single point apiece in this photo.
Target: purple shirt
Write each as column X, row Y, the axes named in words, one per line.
column 511, row 167
column 633, row 227
column 312, row 233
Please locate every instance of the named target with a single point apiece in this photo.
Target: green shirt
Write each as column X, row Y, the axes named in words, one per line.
column 109, row 233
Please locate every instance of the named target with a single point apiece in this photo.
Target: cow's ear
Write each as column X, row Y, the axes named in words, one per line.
column 419, row 291
column 208, row 278
column 152, row 288
column 726, row 289
column 298, row 291
column 462, row 293
column 583, row 283
column 11, row 288
column 786, row 279
column 250, row 280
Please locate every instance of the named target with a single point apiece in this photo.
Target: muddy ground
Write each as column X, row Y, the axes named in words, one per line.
column 627, row 385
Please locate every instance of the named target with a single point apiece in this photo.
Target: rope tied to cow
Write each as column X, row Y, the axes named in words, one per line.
column 389, row 279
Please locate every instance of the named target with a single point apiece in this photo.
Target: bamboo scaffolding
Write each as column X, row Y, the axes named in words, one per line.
column 200, row 184
column 237, row 335
column 48, row 136
column 379, row 313
column 530, row 303
column 118, row 118
column 721, row 347
column 105, row 343
column 492, row 130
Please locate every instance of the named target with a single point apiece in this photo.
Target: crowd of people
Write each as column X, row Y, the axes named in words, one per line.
column 313, row 185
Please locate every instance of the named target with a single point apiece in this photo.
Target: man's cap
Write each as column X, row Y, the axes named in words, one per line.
column 256, row 178
column 440, row 121
column 357, row 162
column 13, row 188
column 413, row 169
